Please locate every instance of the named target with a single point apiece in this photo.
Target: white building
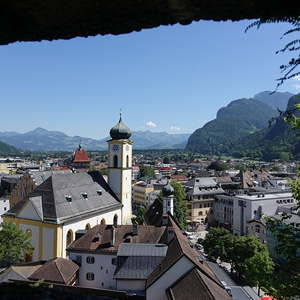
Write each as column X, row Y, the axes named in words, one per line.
column 96, row 252
column 4, row 207
column 153, row 261
column 253, row 206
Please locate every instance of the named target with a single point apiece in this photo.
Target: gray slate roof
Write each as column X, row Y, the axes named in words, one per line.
column 142, row 249
column 203, row 186
column 136, row 267
column 49, row 198
column 40, row 176
column 138, row 260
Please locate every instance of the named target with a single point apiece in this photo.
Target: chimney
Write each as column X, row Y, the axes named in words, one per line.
column 112, row 236
column 134, row 229
column 165, row 220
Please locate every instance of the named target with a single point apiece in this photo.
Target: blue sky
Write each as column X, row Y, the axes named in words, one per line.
column 172, row 78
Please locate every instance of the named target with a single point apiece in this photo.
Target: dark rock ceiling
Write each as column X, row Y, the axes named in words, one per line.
column 36, row 20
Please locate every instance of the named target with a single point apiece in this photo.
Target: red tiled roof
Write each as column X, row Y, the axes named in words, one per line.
column 80, row 156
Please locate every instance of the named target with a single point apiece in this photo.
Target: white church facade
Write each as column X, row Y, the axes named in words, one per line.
column 65, row 204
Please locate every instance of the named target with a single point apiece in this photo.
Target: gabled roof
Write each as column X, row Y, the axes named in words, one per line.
column 198, row 286
column 178, row 248
column 20, row 271
column 57, row 270
column 65, row 196
column 80, row 156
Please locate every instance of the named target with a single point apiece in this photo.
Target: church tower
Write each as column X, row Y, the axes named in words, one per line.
column 120, row 167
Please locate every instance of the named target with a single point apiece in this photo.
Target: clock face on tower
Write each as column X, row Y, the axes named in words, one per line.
column 127, row 148
column 115, row 148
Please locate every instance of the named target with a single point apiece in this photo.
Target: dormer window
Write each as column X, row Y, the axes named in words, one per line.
column 68, row 198
column 84, row 196
column 99, row 192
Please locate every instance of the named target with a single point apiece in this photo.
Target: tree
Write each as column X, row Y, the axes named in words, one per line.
column 166, row 160
column 146, row 171
column 14, row 244
column 285, row 234
column 217, row 166
column 139, row 219
column 180, row 207
column 217, row 242
column 246, row 254
column 258, row 270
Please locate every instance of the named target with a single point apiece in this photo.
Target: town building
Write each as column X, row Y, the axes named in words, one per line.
column 152, row 261
column 27, row 183
column 80, row 159
column 96, row 252
column 223, row 211
column 4, row 207
column 253, row 206
column 64, row 204
column 57, row 271
column 141, row 192
column 200, row 195
column 59, row 207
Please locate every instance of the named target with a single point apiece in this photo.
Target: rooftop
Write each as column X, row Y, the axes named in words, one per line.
column 264, row 196
column 65, row 196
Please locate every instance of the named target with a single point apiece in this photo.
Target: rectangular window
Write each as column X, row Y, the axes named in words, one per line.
column 90, row 259
column 90, row 276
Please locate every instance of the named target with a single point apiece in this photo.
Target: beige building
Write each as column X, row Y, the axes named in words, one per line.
column 141, row 192
column 200, row 193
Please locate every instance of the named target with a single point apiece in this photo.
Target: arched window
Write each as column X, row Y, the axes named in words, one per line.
column 115, row 220
column 115, row 161
column 70, row 237
column 127, row 161
column 29, row 232
column 103, row 222
column 87, row 226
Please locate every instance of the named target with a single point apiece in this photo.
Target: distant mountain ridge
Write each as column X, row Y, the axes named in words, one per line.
column 278, row 100
column 7, row 149
column 276, row 141
column 236, row 122
column 239, row 118
column 41, row 139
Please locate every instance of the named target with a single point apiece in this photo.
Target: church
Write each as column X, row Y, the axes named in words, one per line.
column 64, row 205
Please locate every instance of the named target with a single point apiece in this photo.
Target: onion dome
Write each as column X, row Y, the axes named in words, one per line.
column 168, row 190
column 120, row 131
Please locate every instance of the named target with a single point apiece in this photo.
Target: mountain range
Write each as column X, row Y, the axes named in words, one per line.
column 41, row 139
column 228, row 134
column 277, row 141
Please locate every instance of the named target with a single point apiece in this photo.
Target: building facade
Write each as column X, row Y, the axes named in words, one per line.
column 253, row 206
column 200, row 194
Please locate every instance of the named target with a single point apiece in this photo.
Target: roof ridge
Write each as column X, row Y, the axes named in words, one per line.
column 55, row 262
